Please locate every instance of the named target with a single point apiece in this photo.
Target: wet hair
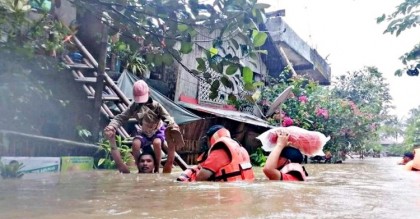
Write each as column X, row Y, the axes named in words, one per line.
column 293, row 154
column 204, row 147
column 409, row 155
column 213, row 129
column 148, row 152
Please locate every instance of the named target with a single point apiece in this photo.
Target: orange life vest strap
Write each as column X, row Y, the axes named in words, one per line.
column 225, row 176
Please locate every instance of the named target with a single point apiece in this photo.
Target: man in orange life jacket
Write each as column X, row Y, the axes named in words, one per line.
column 284, row 162
column 226, row 160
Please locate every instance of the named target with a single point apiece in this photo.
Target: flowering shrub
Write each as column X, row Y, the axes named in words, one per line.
column 351, row 121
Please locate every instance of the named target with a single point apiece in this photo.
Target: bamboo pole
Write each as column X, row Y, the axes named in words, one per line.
column 284, row 56
column 59, row 140
column 99, row 87
column 85, row 51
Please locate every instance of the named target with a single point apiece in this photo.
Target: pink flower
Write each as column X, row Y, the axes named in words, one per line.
column 372, row 127
column 303, row 99
column 322, row 112
column 287, row 121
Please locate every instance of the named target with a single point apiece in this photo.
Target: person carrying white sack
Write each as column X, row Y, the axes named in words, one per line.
column 284, row 162
column 287, row 146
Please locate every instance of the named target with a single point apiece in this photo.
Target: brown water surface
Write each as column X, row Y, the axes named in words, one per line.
column 370, row 188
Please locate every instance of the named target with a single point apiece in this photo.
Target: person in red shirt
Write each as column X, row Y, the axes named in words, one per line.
column 284, row 162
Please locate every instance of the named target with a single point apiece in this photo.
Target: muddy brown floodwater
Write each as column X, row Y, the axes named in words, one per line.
column 370, row 188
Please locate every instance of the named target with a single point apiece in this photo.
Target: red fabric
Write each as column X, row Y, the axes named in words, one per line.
column 188, row 99
column 288, row 177
column 230, row 107
column 217, row 159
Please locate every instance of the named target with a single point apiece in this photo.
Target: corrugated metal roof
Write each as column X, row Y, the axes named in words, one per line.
column 228, row 114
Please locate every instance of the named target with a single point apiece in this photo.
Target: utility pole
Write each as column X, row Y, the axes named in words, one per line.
column 100, row 82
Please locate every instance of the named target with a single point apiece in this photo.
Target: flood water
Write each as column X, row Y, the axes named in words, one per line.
column 370, row 188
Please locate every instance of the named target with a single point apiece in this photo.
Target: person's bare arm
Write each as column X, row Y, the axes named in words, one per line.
column 204, row 175
column 167, row 168
column 270, row 168
column 116, row 155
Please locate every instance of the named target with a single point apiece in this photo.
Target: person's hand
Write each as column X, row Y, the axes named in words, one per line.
column 282, row 138
column 173, row 126
column 109, row 132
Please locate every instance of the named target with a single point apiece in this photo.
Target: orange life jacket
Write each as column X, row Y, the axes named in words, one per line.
column 239, row 168
column 295, row 168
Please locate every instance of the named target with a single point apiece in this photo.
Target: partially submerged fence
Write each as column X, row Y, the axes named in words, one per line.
column 28, row 145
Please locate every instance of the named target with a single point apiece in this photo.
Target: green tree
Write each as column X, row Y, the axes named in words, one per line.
column 392, row 127
column 412, row 133
column 406, row 16
column 30, row 31
column 369, row 98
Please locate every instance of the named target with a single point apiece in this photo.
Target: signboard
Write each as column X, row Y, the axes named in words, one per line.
column 35, row 164
column 76, row 163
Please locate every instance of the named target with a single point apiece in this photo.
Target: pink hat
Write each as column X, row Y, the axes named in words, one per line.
column 140, row 91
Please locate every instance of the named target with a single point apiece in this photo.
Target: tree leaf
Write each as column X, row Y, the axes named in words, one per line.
column 217, row 67
column 232, row 97
column 182, row 27
column 201, row 64
column 261, row 6
column 213, row 51
column 158, row 60
column 249, row 87
column 213, row 95
column 247, row 75
column 101, row 161
column 258, row 84
column 231, row 69
column 186, row 47
column 259, row 39
column 215, row 85
column 206, row 75
column 167, row 59
column 226, row 82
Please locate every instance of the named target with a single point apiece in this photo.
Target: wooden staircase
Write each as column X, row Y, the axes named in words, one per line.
column 111, row 92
